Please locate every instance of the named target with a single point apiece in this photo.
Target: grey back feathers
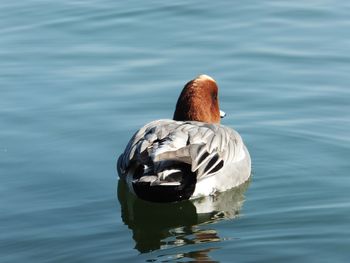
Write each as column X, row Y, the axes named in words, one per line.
column 159, row 145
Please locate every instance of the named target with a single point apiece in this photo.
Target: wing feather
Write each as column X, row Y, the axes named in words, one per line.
column 207, row 147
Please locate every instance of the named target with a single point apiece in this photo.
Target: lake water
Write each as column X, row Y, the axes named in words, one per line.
column 77, row 78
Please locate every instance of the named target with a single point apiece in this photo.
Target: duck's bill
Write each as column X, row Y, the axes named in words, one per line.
column 222, row 114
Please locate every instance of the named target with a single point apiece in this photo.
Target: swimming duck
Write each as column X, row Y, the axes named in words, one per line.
column 191, row 156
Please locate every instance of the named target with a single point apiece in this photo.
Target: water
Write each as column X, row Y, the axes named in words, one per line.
column 77, row 78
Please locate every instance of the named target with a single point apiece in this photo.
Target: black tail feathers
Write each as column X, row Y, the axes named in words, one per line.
column 172, row 192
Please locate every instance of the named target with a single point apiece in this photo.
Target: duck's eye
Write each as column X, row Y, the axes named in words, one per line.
column 214, row 96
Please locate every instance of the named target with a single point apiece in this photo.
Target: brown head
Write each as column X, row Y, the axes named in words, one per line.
column 199, row 101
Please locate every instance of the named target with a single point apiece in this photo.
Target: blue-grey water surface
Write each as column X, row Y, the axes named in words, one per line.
column 77, row 78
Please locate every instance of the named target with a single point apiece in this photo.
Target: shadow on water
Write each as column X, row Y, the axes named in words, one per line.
column 160, row 226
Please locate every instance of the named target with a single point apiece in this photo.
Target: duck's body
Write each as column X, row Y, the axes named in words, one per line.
column 172, row 160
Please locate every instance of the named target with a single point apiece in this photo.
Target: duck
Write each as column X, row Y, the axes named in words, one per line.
column 187, row 157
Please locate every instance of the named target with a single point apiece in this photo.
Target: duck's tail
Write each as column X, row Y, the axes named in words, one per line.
column 166, row 181
column 174, row 183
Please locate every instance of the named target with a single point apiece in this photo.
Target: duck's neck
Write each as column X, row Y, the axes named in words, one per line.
column 185, row 110
column 190, row 107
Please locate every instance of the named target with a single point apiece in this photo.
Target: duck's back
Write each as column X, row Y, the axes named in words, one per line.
column 170, row 160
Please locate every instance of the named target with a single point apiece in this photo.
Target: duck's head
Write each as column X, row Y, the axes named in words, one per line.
column 199, row 101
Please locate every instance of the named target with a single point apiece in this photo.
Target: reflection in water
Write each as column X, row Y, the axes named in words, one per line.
column 159, row 226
